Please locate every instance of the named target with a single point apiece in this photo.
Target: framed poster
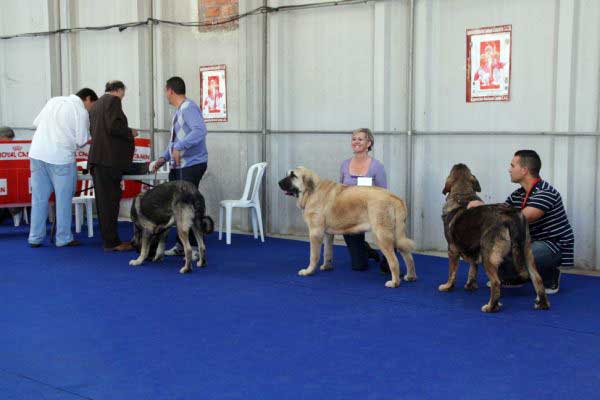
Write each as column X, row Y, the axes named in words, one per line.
column 213, row 93
column 489, row 63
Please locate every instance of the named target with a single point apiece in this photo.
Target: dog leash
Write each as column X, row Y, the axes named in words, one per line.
column 135, row 180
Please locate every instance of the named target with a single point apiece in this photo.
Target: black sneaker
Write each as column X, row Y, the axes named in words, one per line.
column 554, row 286
column 384, row 267
column 373, row 254
column 510, row 283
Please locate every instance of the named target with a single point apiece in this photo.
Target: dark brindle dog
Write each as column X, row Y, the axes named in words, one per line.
column 485, row 234
column 176, row 203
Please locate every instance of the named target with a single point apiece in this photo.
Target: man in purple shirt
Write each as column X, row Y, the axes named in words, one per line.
column 187, row 151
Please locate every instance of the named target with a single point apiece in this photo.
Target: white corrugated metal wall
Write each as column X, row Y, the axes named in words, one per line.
column 333, row 69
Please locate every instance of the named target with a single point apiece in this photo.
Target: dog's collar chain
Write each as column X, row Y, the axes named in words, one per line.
column 463, row 201
column 450, row 216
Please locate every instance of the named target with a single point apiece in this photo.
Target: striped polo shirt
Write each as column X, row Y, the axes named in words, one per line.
column 553, row 227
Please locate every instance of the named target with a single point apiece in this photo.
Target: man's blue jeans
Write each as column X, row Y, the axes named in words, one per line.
column 45, row 179
column 546, row 261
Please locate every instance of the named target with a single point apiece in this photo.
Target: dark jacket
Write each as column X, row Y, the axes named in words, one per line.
column 112, row 141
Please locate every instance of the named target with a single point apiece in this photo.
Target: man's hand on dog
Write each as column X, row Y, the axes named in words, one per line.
column 475, row 203
column 158, row 163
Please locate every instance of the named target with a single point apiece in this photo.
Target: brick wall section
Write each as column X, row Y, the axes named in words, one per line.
column 212, row 11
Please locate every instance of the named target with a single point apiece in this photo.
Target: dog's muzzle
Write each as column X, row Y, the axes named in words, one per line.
column 286, row 185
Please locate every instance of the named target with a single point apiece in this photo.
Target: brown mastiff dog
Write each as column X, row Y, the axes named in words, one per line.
column 331, row 208
column 485, row 234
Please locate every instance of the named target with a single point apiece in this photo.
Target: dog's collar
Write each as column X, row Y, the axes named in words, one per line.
column 451, row 215
column 464, row 199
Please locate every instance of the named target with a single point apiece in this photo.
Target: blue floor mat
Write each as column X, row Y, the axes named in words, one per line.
column 81, row 323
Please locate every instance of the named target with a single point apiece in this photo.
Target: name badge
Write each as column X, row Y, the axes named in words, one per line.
column 364, row 181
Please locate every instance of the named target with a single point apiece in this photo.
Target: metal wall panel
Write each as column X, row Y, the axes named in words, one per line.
column 334, row 69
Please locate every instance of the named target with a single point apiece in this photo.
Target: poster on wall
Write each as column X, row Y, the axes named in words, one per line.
column 213, row 93
column 488, row 63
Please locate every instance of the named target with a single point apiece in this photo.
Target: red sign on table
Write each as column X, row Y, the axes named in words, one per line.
column 15, row 187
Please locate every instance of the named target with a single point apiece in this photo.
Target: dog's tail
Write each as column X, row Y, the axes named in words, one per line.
column 202, row 221
column 207, row 225
column 403, row 243
column 520, row 242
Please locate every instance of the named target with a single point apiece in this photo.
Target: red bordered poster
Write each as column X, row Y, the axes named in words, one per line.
column 489, row 63
column 213, row 93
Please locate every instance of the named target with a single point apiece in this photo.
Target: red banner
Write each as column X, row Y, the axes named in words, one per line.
column 15, row 183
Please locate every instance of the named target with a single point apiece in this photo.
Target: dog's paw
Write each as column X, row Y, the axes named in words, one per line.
column 185, row 270
column 305, row 272
column 158, row 258
column 445, row 287
column 326, row 267
column 488, row 308
column 392, row 284
column 541, row 304
column 135, row 262
column 471, row 286
column 201, row 263
column 408, row 278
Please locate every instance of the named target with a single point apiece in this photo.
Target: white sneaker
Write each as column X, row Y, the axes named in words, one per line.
column 178, row 251
column 174, row 251
column 554, row 287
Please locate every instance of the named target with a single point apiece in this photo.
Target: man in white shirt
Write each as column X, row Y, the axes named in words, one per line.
column 62, row 127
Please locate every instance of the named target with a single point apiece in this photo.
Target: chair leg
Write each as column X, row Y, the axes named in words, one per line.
column 52, row 212
column 220, row 222
column 260, row 224
column 228, row 224
column 17, row 219
column 253, row 217
column 25, row 216
column 77, row 217
column 89, row 218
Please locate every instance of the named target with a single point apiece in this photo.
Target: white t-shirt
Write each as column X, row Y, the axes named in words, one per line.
column 62, row 126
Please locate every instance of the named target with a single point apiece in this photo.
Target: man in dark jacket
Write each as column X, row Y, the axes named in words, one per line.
column 111, row 153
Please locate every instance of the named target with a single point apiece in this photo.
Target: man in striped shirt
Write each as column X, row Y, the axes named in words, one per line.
column 552, row 239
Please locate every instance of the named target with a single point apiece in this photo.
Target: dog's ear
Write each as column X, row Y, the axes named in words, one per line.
column 447, row 187
column 309, row 183
column 475, row 183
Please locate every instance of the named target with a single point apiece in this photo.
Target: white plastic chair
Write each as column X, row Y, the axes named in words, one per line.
column 17, row 217
column 84, row 198
column 249, row 200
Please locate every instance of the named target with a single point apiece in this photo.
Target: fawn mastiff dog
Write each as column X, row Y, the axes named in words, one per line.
column 485, row 234
column 331, row 208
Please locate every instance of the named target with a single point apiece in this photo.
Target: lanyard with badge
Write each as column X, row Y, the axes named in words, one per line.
column 529, row 193
column 364, row 181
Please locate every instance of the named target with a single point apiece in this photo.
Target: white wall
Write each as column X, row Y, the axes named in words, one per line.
column 334, row 69
column 24, row 71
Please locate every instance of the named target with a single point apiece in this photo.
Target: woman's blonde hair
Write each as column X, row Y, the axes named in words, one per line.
column 368, row 134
